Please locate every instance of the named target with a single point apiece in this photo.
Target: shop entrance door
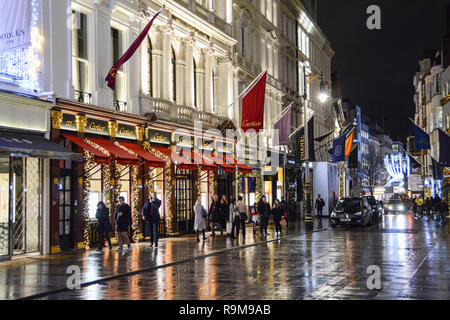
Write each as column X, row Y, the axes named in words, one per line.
column 26, row 204
column 224, row 186
column 183, row 202
column 4, row 208
column 65, row 211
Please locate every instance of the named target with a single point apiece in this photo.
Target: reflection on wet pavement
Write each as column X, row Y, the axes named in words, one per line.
column 31, row 276
column 412, row 254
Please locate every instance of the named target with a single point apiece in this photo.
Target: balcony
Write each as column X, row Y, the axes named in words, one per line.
column 169, row 111
column 83, row 97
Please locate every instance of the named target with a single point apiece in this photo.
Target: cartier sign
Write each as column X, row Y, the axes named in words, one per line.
column 97, row 127
column 68, row 123
column 159, row 137
column 126, row 132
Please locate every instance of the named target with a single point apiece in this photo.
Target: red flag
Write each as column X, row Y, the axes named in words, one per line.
column 349, row 142
column 111, row 78
column 253, row 106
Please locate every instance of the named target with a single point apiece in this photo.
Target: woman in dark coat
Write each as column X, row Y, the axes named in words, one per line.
column 104, row 225
column 277, row 214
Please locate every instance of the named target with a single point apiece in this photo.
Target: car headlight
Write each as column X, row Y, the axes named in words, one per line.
column 401, row 208
column 358, row 214
column 391, row 208
column 333, row 214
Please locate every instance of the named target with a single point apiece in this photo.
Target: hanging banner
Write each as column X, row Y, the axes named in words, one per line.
column 15, row 24
column 253, row 106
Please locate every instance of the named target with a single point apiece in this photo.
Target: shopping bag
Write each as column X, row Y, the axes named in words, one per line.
column 229, row 227
column 283, row 223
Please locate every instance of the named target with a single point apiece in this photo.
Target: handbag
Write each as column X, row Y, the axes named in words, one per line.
column 204, row 213
column 283, row 223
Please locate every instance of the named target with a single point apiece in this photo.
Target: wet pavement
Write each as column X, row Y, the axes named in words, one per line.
column 22, row 278
column 413, row 256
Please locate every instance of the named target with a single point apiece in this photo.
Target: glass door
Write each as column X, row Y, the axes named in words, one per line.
column 183, row 202
column 4, row 207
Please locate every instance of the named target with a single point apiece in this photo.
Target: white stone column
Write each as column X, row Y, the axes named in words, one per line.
column 189, row 74
column 209, row 103
column 166, row 67
column 225, row 87
column 57, row 55
column 133, row 69
column 99, row 46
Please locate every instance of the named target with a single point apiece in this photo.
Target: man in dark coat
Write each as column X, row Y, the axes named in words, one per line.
column 264, row 213
column 150, row 214
column 104, row 225
column 320, row 203
column 215, row 215
column 122, row 217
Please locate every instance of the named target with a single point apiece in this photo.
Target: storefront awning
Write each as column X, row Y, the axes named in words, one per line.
column 123, row 156
column 181, row 161
column 150, row 159
column 33, row 145
column 242, row 167
column 99, row 156
column 226, row 167
column 206, row 164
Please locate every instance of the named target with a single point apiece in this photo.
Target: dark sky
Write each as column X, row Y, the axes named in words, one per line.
column 376, row 68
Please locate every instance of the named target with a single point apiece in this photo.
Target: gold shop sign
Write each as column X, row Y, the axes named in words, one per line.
column 97, row 127
column 182, row 140
column 204, row 144
column 224, row 147
column 160, row 137
column 68, row 123
column 302, row 148
column 126, row 132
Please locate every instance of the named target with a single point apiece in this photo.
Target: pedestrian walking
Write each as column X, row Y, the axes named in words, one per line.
column 320, row 203
column 234, row 217
column 428, row 207
column 277, row 214
column 150, row 213
column 292, row 210
column 243, row 213
column 284, row 208
column 199, row 220
column 224, row 210
column 104, row 226
column 419, row 202
column 255, row 217
column 215, row 215
column 444, row 211
column 122, row 218
column 264, row 214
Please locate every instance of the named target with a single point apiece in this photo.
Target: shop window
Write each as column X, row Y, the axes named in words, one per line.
column 125, row 183
column 96, row 191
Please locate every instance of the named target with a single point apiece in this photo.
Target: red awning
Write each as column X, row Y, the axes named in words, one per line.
column 100, row 157
column 206, row 164
column 150, row 159
column 182, row 161
column 242, row 167
column 123, row 156
column 226, row 167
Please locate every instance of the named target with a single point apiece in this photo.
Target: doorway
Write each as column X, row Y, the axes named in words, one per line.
column 183, row 202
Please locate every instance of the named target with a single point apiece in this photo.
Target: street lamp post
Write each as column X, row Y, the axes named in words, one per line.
column 308, row 190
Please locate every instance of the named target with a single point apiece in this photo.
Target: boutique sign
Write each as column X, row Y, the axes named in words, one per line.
column 15, row 24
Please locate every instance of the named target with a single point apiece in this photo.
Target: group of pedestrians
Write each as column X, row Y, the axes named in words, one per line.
column 234, row 214
column 123, row 220
column 430, row 208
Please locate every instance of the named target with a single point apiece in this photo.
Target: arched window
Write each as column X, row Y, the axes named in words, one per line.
column 194, row 79
column 174, row 75
column 150, row 69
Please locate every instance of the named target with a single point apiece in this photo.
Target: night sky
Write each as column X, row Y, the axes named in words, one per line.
column 376, row 67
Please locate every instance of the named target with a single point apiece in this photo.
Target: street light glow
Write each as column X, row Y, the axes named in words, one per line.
column 323, row 97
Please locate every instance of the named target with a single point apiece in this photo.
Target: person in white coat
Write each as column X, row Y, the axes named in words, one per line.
column 199, row 222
